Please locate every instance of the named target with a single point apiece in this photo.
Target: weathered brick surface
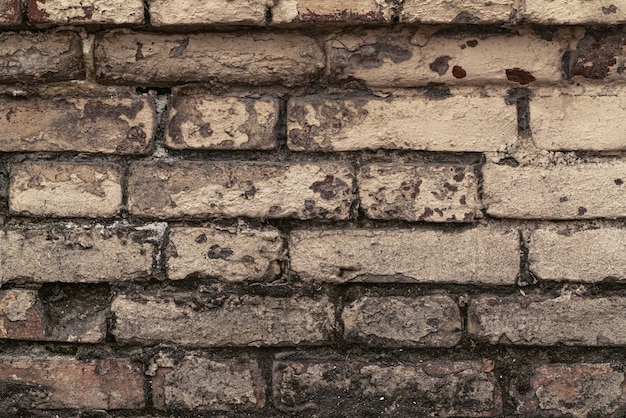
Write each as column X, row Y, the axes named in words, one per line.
column 407, row 58
column 319, row 12
column 429, row 321
column 466, row 389
column 589, row 255
column 460, row 11
column 194, row 320
column 40, row 57
column 203, row 12
column 66, row 189
column 67, row 382
column 568, row 122
column 222, row 189
column 441, row 193
column 103, row 125
column 439, row 120
column 477, row 255
column 73, row 254
column 124, row 57
column 541, row 321
column 598, row 55
column 208, row 384
column 77, row 12
column 21, row 315
column 584, row 190
column 9, row 12
column 211, row 122
column 232, row 255
column 577, row 12
column 580, row 390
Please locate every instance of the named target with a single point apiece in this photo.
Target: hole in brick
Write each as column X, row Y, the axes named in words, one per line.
column 159, row 90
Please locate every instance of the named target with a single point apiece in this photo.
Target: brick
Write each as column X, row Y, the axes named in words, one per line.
column 66, row 189
column 442, row 193
column 79, row 12
column 66, row 382
column 466, row 389
column 580, row 390
column 406, row 58
column 102, row 125
column 577, row 12
column 10, row 12
column 579, row 191
column 232, row 255
column 438, row 120
column 586, row 255
column 458, row 12
column 40, row 57
column 74, row 254
column 208, row 12
column 477, row 255
column 598, row 55
column 231, row 189
column 21, row 315
column 429, row 321
column 195, row 320
column 565, row 320
column 345, row 11
column 209, row 122
column 257, row 58
column 209, row 384
column 589, row 123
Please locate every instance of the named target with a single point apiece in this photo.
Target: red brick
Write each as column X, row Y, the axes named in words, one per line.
column 66, row 382
column 10, row 12
column 21, row 315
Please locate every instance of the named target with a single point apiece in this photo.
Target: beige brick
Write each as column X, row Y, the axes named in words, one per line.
column 103, row 125
column 477, row 255
column 21, row 315
column 208, row 12
column 579, row 390
column 458, row 12
column 576, row 12
column 405, row 58
column 467, row 389
column 232, row 255
column 566, row 320
column 231, row 189
column 429, row 321
column 78, row 12
column 591, row 190
column 67, row 382
column 40, row 57
column 74, row 255
column 442, row 193
column 589, row 255
column 66, row 189
column 440, row 120
column 208, row 384
column 257, row 58
column 324, row 11
column 191, row 320
column 210, row 122
column 590, row 123
column 10, row 12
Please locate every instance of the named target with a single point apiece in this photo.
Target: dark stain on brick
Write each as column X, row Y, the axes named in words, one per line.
column 249, row 190
column 468, row 217
column 440, row 65
column 136, row 134
column 581, row 211
column 517, row 75
column 411, row 188
column 369, row 56
column 71, row 63
column 179, row 49
column 35, row 14
column 437, row 92
column 9, row 113
column 139, row 54
column 450, row 187
column 618, row 182
column 563, row 199
column 609, row 10
column 458, row 177
column 274, row 210
column 458, row 72
column 595, row 53
column 205, row 130
column 465, row 18
column 428, row 212
column 472, row 43
column 247, row 260
column 463, row 200
column 328, row 188
column 216, row 252
column 200, row 239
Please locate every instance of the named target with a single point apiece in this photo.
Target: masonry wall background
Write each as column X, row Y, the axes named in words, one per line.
column 312, row 208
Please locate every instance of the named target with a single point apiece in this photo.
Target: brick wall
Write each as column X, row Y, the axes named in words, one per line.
column 312, row 208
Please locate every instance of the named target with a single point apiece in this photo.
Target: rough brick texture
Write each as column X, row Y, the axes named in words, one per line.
column 262, row 190
column 478, row 255
column 316, row 11
column 447, row 389
column 78, row 12
column 459, row 12
column 122, row 125
column 577, row 12
column 9, row 12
